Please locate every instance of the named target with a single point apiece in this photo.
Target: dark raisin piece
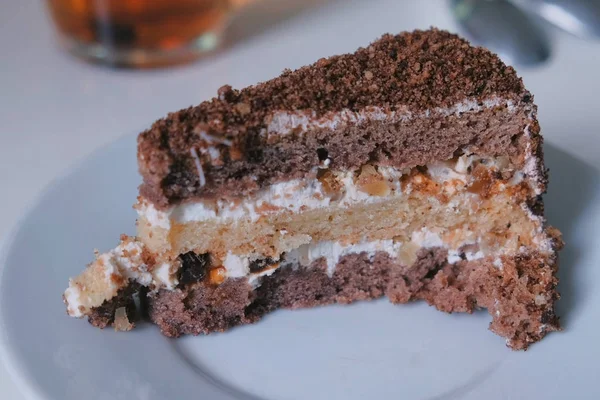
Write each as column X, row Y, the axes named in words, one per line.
column 433, row 272
column 322, row 154
column 255, row 155
column 193, row 267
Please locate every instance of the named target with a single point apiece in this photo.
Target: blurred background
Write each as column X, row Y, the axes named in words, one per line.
column 77, row 74
column 159, row 33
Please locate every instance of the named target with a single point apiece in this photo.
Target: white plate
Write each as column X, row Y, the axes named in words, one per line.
column 372, row 350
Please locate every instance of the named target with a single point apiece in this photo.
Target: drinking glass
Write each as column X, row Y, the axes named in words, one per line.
column 141, row 33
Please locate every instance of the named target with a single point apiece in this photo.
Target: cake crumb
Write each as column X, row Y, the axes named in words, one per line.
column 122, row 323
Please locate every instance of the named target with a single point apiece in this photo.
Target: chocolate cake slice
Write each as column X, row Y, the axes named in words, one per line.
column 411, row 169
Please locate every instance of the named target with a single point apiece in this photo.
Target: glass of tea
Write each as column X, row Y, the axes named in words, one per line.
column 141, row 33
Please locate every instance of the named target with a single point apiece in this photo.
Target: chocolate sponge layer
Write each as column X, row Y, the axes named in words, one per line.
column 418, row 74
column 520, row 296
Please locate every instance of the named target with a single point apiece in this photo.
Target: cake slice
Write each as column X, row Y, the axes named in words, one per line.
column 411, row 169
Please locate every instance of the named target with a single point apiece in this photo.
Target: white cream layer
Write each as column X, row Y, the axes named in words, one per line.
column 284, row 122
column 404, row 252
column 294, row 196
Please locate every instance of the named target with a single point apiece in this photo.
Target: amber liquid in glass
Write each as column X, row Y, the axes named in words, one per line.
column 138, row 32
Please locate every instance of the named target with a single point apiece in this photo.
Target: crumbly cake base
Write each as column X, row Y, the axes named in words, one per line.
column 519, row 294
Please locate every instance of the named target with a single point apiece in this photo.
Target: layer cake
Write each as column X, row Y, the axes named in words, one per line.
column 410, row 169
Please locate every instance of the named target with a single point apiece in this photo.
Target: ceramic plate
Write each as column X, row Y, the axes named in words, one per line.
column 365, row 350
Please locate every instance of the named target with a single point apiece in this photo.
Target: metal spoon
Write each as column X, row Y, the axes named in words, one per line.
column 504, row 28
column 579, row 17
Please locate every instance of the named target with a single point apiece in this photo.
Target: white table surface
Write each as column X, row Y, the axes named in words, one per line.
column 55, row 110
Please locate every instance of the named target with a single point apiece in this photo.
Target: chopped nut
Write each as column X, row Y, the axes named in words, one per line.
column 122, row 323
column 380, row 188
column 420, row 182
column 482, row 182
column 367, row 171
column 328, row 181
column 216, row 276
column 372, row 182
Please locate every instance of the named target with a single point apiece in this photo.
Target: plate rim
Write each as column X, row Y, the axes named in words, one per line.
column 14, row 367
